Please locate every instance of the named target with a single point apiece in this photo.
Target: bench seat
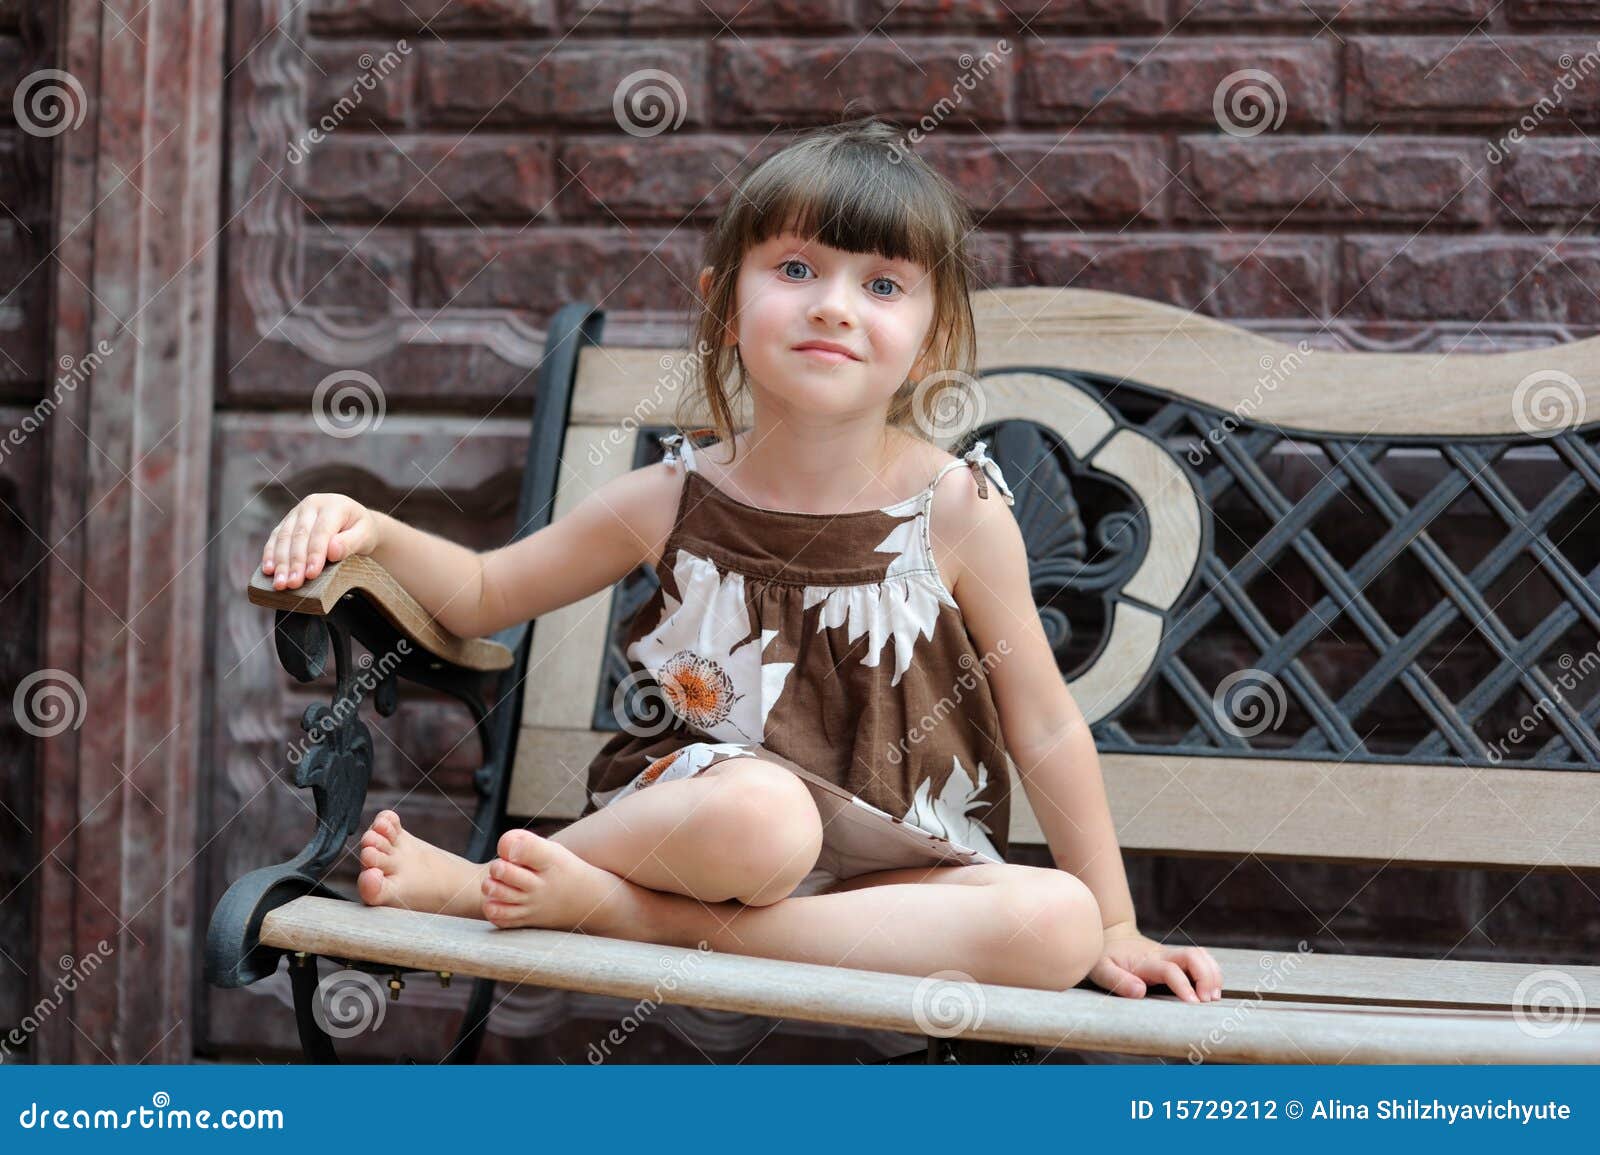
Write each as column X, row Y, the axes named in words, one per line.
column 1322, row 1009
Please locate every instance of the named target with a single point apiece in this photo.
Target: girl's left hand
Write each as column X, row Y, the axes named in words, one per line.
column 1131, row 961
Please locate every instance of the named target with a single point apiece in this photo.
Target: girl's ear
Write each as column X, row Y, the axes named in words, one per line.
column 705, row 282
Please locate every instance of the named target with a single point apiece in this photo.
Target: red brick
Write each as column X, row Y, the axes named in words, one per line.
column 1232, row 276
column 498, row 83
column 994, row 261
column 1112, row 179
column 1471, row 278
column 614, row 17
column 1550, row 181
column 357, row 270
column 479, row 176
column 806, row 80
column 1034, row 15
column 1169, row 82
column 374, row 77
column 428, row 16
column 671, row 176
column 1575, row 10
column 542, row 269
column 1335, row 12
column 1434, row 80
column 1273, row 178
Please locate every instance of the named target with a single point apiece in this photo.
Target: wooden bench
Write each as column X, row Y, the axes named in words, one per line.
column 1174, row 476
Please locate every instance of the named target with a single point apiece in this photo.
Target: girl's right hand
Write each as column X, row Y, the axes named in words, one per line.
column 325, row 526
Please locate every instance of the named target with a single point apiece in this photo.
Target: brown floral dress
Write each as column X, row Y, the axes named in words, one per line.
column 827, row 644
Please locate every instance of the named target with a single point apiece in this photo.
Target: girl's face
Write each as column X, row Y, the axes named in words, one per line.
column 793, row 293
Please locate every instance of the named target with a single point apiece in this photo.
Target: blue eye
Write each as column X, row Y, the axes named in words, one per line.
column 794, row 261
column 887, row 281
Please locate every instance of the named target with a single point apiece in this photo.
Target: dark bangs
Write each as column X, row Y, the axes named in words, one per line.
column 849, row 195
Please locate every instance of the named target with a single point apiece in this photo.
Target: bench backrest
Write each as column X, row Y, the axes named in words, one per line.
column 1317, row 604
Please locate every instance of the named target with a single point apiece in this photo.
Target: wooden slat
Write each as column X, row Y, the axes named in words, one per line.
column 1405, row 982
column 1206, row 360
column 1352, row 811
column 319, row 596
column 569, row 643
column 1337, row 811
column 1228, row 1030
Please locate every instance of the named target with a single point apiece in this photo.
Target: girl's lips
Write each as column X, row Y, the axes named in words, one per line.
column 826, row 354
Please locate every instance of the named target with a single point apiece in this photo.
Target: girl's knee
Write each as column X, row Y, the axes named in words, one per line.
column 765, row 822
column 1053, row 926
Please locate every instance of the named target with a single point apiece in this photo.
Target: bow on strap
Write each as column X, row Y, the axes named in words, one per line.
column 978, row 457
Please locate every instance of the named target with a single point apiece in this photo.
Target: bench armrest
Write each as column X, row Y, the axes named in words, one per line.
column 361, row 573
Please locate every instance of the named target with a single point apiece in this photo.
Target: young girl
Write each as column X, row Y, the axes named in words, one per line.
column 844, row 635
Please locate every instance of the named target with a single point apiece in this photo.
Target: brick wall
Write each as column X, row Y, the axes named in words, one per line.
column 485, row 180
column 1092, row 154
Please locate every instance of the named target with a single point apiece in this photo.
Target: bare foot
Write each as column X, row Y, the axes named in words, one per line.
column 403, row 870
column 537, row 882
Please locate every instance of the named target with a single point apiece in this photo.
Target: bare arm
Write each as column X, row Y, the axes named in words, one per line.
column 1049, row 740
column 596, row 544
column 1044, row 731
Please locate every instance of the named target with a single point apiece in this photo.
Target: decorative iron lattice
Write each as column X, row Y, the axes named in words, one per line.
column 1379, row 598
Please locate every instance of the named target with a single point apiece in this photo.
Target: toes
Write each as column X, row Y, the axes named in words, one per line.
column 375, row 856
column 370, row 884
column 514, row 876
column 387, row 823
column 525, row 848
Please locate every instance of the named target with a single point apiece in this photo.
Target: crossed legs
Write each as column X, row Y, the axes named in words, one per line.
column 713, row 858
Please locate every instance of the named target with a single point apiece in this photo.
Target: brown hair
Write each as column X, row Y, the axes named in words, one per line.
column 855, row 187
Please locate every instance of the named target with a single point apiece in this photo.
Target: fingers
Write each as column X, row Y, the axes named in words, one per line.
column 1213, row 973
column 1119, row 981
column 322, row 529
column 297, row 548
column 1161, row 970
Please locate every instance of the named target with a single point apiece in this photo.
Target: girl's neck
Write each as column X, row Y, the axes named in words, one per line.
column 835, row 465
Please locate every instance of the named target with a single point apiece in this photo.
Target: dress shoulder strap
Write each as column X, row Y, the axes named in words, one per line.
column 982, row 466
column 679, row 449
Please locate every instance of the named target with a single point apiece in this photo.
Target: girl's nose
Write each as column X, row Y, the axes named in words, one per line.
column 831, row 304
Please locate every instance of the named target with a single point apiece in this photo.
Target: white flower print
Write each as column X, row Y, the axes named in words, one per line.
column 705, row 657
column 684, row 763
column 903, row 606
column 948, row 813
